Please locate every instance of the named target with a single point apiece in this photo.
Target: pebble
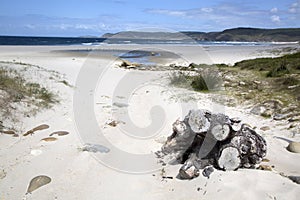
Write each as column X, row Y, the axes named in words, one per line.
column 189, row 173
column 241, row 83
column 113, row 123
column 36, row 152
column 265, row 128
column 294, row 147
column 265, row 167
column 265, row 160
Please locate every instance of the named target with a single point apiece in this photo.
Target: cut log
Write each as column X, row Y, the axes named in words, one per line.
column 179, row 127
column 229, row 158
column 205, row 139
column 235, row 124
column 236, row 127
column 194, row 147
column 178, row 143
column 235, row 120
column 197, row 121
column 220, row 131
column 252, row 147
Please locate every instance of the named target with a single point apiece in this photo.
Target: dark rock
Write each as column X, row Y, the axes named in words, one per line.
column 267, row 108
column 188, row 172
column 295, row 179
column 258, row 110
column 279, row 116
column 207, row 171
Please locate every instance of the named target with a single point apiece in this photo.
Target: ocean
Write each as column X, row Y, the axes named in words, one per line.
column 33, row 41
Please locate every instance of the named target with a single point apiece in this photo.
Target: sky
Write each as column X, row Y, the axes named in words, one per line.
column 96, row 17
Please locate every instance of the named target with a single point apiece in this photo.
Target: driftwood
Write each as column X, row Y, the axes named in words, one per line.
column 204, row 139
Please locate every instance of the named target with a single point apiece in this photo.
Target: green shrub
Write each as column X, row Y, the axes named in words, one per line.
column 179, row 79
column 204, row 81
column 199, row 83
column 288, row 81
column 208, row 79
column 279, row 70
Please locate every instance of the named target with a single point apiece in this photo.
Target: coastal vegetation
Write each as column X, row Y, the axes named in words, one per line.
column 20, row 96
column 18, row 89
column 249, row 81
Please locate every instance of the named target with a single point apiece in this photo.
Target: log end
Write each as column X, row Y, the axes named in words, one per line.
column 220, row 131
column 229, row 159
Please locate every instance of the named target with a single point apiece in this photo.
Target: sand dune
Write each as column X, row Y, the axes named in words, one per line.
column 143, row 106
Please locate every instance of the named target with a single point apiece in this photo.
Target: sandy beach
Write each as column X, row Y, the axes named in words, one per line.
column 144, row 106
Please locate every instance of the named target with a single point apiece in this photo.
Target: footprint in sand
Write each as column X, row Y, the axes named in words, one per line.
column 10, row 132
column 59, row 133
column 38, row 182
column 38, row 128
column 2, row 174
column 49, row 139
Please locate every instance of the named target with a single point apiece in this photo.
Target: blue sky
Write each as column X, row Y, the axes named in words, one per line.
column 94, row 17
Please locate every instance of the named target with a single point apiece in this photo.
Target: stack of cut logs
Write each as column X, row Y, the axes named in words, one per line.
column 205, row 139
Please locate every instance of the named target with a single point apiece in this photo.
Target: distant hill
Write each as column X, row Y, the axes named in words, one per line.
column 146, row 35
column 235, row 34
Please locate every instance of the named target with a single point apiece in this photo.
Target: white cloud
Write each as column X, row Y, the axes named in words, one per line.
column 168, row 12
column 295, row 7
column 274, row 10
column 275, row 18
column 224, row 15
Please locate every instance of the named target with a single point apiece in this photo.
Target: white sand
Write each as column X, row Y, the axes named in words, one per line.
column 80, row 175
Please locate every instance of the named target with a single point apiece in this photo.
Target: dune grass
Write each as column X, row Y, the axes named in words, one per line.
column 18, row 89
column 249, row 81
column 201, row 81
column 20, row 97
